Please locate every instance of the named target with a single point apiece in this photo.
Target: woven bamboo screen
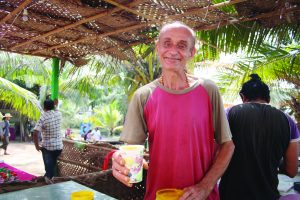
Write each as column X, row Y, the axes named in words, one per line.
column 73, row 29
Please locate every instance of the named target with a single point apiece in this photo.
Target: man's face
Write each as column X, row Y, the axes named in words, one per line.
column 175, row 47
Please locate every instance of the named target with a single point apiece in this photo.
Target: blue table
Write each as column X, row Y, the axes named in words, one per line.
column 58, row 191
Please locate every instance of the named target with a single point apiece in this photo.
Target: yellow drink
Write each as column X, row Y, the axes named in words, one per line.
column 168, row 194
column 82, row 195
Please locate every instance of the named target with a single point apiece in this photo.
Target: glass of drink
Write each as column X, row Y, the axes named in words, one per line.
column 133, row 156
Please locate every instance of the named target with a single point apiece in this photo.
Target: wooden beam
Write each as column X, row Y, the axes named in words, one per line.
column 124, row 46
column 264, row 15
column 93, row 37
column 15, row 11
column 207, row 8
column 85, row 20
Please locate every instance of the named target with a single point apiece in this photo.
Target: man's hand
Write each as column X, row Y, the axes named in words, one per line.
column 202, row 190
column 195, row 192
column 36, row 140
column 120, row 172
column 1, row 137
column 38, row 148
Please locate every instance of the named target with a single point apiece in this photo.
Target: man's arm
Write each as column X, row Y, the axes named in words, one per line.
column 204, row 188
column 36, row 140
column 1, row 130
column 289, row 166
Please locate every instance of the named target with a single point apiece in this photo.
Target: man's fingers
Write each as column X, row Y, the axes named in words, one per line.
column 116, row 157
column 122, row 178
column 118, row 164
column 145, row 164
column 120, row 172
column 184, row 196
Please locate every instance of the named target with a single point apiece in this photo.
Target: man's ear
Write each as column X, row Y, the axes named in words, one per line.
column 244, row 99
column 193, row 51
column 157, row 50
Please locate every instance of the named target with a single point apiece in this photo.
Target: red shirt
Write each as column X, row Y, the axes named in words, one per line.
column 181, row 126
column 181, row 139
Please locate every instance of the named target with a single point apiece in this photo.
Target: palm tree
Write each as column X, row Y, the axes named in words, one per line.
column 246, row 36
column 278, row 67
column 144, row 69
column 13, row 68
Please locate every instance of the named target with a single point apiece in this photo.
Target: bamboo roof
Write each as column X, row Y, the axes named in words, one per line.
column 73, row 29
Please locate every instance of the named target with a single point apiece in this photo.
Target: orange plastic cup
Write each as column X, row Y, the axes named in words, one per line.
column 82, row 195
column 169, row 193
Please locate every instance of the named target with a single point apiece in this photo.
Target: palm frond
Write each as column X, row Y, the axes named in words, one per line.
column 276, row 67
column 246, row 36
column 20, row 99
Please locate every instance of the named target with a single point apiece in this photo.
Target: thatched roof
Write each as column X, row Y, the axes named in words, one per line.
column 73, row 29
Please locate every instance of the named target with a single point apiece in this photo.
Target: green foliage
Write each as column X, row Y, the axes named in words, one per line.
column 107, row 117
column 31, row 70
column 71, row 109
column 141, row 71
column 246, row 36
column 278, row 67
column 20, row 99
column 118, row 130
column 28, row 72
column 227, row 9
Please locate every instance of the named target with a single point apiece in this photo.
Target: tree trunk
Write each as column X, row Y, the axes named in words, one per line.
column 22, row 134
column 296, row 108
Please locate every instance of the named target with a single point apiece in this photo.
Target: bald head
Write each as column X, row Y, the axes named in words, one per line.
column 175, row 25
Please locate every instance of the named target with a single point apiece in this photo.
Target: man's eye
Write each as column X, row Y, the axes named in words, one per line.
column 182, row 46
column 167, row 44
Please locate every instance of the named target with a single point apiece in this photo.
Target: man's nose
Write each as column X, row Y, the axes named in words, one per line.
column 173, row 50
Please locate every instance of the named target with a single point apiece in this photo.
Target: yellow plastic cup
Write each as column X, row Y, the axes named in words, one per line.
column 82, row 195
column 169, row 194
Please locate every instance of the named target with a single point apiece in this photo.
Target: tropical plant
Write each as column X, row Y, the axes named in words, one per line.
column 246, row 36
column 278, row 67
column 20, row 99
column 107, row 117
column 141, row 71
column 21, row 70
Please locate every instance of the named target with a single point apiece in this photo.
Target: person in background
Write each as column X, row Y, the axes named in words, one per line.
column 1, row 131
column 87, row 136
column 68, row 132
column 51, row 146
column 262, row 136
column 182, row 116
column 96, row 135
column 6, row 133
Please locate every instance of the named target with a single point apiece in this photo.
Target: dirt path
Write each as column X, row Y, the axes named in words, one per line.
column 24, row 156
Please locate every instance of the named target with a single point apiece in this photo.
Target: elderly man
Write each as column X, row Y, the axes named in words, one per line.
column 182, row 116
